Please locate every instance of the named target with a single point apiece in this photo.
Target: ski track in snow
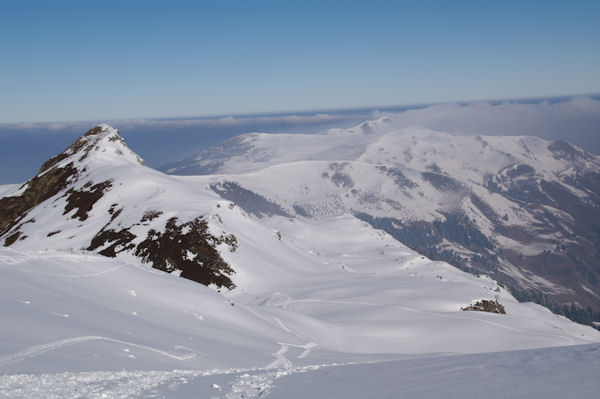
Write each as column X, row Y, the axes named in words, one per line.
column 99, row 384
column 283, row 327
column 280, row 360
column 71, row 275
column 250, row 383
column 38, row 350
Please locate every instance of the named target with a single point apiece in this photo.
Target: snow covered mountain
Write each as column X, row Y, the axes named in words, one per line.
column 98, row 196
column 84, row 314
column 521, row 209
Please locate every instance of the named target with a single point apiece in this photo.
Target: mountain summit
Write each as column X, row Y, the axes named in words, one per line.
column 102, row 144
column 98, row 196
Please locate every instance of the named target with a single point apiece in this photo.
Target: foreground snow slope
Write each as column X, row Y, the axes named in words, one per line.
column 549, row 373
column 125, row 329
column 313, row 296
column 360, row 292
column 540, row 373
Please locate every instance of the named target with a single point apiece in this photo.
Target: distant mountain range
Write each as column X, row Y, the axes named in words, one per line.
column 523, row 210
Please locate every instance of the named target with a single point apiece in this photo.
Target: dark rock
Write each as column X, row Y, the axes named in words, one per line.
column 83, row 200
column 39, row 189
column 188, row 247
column 486, row 306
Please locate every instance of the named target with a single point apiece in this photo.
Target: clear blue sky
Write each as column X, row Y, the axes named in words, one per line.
column 82, row 60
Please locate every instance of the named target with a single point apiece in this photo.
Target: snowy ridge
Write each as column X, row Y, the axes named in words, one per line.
column 505, row 206
column 378, row 142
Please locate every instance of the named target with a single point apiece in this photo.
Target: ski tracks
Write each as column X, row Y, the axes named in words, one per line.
column 250, row 383
column 253, row 384
column 39, row 350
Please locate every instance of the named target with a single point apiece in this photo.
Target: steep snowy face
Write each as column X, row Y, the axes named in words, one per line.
column 98, row 196
column 522, row 209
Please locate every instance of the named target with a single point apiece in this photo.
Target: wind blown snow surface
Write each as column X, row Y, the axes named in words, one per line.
column 82, row 325
column 563, row 372
column 330, row 295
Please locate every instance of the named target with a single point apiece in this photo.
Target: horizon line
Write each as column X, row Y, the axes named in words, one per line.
column 390, row 107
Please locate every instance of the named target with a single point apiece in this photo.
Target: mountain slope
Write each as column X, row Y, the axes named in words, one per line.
column 78, row 324
column 549, row 373
column 97, row 195
column 301, row 294
column 522, row 209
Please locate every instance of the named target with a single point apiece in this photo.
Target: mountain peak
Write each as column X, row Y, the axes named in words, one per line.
column 102, row 128
column 100, row 147
column 96, row 196
column 103, row 141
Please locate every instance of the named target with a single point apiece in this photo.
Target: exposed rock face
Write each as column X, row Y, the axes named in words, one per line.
column 87, row 198
column 37, row 190
column 188, row 247
column 83, row 200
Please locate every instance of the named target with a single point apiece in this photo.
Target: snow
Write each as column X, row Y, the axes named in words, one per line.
column 317, row 297
column 313, row 299
column 567, row 372
column 283, row 166
column 539, row 373
column 384, row 143
column 9, row 190
column 381, row 169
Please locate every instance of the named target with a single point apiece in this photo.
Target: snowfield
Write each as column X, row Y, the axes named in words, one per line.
column 81, row 324
column 327, row 307
column 566, row 372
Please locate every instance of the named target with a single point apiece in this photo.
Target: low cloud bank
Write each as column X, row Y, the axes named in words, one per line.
column 576, row 120
column 25, row 146
column 185, row 123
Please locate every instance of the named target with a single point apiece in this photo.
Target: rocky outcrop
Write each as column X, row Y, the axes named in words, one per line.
column 485, row 305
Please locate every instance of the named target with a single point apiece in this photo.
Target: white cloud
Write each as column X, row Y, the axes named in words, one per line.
column 577, row 119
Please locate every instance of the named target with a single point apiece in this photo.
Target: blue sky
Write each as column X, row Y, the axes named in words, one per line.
column 81, row 60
